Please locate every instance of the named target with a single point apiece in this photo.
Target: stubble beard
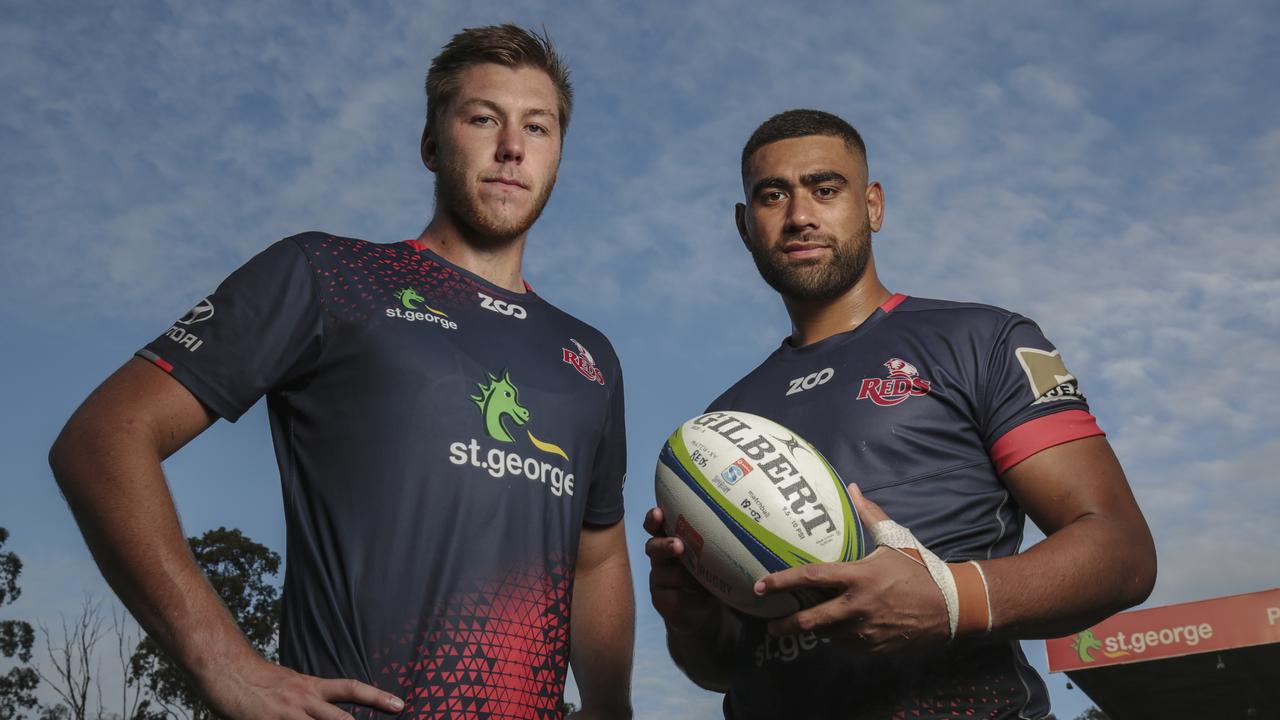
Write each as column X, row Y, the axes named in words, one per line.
column 817, row 280
column 486, row 228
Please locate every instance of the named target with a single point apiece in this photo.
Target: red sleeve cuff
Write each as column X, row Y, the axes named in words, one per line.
column 1041, row 433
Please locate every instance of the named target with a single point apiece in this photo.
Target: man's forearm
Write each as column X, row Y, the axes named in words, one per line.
column 602, row 628
column 113, row 482
column 1097, row 557
column 1076, row 577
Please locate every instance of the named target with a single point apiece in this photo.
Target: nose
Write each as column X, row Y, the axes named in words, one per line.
column 800, row 216
column 510, row 145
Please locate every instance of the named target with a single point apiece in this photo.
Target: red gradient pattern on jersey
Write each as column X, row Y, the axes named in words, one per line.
column 374, row 273
column 989, row 702
column 498, row 650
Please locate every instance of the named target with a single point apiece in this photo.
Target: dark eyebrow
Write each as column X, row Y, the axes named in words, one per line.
column 768, row 182
column 822, row 177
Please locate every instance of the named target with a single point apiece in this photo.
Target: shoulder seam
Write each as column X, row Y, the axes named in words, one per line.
column 984, row 372
column 316, row 296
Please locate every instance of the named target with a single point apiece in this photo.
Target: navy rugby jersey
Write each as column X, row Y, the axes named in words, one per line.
column 441, row 442
column 924, row 405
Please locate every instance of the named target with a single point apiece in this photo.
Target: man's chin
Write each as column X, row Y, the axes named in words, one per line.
column 499, row 231
column 492, row 222
column 806, row 280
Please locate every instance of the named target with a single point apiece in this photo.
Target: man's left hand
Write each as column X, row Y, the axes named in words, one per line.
column 884, row 602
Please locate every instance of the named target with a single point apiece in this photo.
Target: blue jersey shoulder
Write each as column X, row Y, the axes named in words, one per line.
column 978, row 313
column 313, row 241
column 956, row 321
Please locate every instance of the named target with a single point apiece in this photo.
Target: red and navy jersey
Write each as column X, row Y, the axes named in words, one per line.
column 924, row 406
column 441, row 443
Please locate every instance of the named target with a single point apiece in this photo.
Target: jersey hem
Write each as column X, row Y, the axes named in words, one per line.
column 1042, row 433
column 196, row 385
column 607, row 517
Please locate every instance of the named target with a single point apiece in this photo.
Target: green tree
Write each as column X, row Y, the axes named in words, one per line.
column 239, row 570
column 17, row 687
column 55, row 712
column 1093, row 713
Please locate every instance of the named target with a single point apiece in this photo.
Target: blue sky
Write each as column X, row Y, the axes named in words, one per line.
column 1108, row 169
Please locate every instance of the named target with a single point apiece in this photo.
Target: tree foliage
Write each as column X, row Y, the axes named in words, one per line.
column 239, row 570
column 1093, row 713
column 17, row 687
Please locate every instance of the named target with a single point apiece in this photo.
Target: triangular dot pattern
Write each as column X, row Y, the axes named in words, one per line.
column 499, row 651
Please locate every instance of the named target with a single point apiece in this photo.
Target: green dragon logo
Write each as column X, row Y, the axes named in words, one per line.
column 411, row 300
column 1085, row 643
column 500, row 399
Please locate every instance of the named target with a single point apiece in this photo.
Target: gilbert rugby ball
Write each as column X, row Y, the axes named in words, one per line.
column 749, row 497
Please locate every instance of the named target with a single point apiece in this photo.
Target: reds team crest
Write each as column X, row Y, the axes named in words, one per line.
column 582, row 361
column 904, row 381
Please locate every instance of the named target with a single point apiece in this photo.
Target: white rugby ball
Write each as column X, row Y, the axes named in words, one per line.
column 748, row 497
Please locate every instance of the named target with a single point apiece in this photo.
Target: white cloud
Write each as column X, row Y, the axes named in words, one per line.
column 1107, row 170
column 1215, row 531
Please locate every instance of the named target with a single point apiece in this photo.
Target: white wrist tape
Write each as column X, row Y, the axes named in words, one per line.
column 986, row 592
column 963, row 584
column 891, row 534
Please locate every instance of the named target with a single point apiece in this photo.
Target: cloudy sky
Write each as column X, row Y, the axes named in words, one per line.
column 1110, row 169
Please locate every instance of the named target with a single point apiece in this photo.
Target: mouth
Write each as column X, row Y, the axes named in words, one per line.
column 505, row 182
column 802, row 250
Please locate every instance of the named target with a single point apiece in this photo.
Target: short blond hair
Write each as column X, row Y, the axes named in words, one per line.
column 506, row 45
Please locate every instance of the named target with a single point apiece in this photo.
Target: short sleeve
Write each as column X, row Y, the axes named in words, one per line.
column 609, row 470
column 261, row 328
column 1032, row 402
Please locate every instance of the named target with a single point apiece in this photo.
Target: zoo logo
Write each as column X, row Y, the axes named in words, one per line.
column 810, row 381
column 502, row 307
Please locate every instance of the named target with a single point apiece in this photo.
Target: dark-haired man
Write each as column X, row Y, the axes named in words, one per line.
column 957, row 421
column 451, row 445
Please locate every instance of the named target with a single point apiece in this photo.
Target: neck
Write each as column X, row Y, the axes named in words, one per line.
column 498, row 263
column 814, row 320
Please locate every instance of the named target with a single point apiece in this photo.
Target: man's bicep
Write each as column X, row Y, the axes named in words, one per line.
column 1067, row 482
column 144, row 402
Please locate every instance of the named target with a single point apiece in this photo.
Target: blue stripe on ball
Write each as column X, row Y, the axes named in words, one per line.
column 762, row 554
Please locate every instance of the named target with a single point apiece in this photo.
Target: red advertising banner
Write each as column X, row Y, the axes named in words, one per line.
column 1170, row 631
